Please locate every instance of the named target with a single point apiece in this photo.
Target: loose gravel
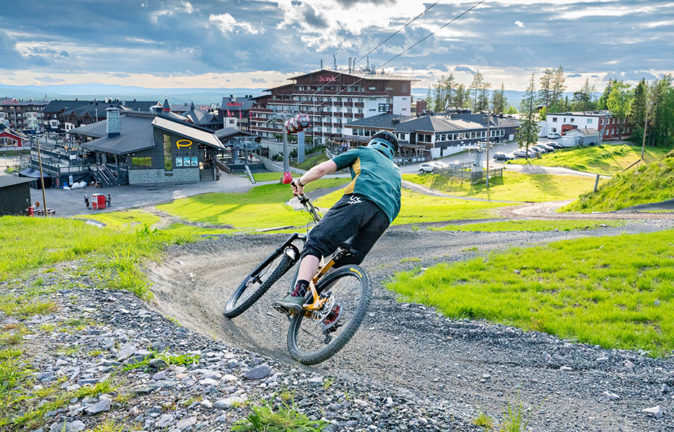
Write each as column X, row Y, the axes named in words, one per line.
column 407, row 369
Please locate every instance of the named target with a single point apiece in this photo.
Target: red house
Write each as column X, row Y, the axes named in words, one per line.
column 10, row 138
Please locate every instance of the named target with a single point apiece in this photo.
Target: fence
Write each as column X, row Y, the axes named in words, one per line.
column 472, row 176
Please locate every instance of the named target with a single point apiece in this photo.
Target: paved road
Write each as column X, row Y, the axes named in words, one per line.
column 71, row 202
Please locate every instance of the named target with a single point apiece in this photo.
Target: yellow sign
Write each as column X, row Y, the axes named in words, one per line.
column 183, row 143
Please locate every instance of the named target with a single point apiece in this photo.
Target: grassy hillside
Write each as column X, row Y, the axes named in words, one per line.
column 646, row 184
column 612, row 291
column 513, row 186
column 605, row 159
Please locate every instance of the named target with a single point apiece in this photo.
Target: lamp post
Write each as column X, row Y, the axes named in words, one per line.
column 39, row 159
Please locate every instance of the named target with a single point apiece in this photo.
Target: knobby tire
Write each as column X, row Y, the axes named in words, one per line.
column 315, row 357
column 234, row 309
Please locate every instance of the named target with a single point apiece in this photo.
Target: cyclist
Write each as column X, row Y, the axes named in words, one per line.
column 370, row 203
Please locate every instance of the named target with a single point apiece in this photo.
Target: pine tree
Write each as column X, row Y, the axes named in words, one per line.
column 582, row 99
column 527, row 134
column 545, row 93
column 429, row 100
column 601, row 103
column 448, row 85
column 476, row 87
column 638, row 108
column 557, row 101
column 499, row 101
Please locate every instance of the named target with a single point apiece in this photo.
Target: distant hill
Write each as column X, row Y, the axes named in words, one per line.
column 646, row 184
column 102, row 91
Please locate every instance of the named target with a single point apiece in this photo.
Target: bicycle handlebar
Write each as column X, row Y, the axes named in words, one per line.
column 309, row 207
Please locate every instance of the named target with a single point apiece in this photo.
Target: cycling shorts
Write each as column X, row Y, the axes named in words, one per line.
column 353, row 220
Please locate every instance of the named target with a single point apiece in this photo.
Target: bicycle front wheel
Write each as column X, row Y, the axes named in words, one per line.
column 257, row 283
column 315, row 337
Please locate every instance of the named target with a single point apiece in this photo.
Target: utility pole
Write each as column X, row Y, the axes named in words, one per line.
column 44, row 197
column 488, row 130
column 643, row 142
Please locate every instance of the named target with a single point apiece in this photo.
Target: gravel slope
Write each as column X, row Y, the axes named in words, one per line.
column 463, row 366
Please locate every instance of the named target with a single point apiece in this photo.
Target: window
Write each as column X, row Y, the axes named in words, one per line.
column 589, row 121
column 554, row 119
column 141, row 162
column 572, row 119
column 168, row 153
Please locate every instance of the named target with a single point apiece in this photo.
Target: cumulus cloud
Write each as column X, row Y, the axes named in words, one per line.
column 519, row 23
column 226, row 23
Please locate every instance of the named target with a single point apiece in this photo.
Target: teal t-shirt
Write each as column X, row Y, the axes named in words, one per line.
column 374, row 177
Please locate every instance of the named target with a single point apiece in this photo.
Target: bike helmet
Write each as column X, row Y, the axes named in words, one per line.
column 385, row 142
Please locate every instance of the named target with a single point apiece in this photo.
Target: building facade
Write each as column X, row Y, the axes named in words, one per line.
column 23, row 116
column 332, row 99
column 433, row 136
column 608, row 126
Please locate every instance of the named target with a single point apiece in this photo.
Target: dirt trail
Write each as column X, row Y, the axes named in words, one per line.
column 467, row 365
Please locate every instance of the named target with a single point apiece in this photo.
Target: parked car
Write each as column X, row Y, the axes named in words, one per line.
column 554, row 135
column 555, row 144
column 501, row 156
column 539, row 148
column 519, row 153
column 426, row 167
column 548, row 147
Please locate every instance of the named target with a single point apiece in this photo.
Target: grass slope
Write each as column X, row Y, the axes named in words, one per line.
column 605, row 159
column 513, row 186
column 261, row 207
column 646, row 184
column 113, row 256
column 420, row 208
column 531, row 225
column 613, row 291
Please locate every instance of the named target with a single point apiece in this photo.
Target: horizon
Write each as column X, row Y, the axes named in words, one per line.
column 259, row 44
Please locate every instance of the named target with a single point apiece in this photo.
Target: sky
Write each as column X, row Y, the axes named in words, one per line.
column 260, row 44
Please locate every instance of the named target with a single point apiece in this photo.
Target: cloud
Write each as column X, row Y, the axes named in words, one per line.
column 226, row 23
column 314, row 18
column 519, row 24
column 188, row 7
column 465, row 69
column 577, row 75
column 350, row 3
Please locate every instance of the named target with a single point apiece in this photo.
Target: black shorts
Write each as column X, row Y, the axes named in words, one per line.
column 352, row 218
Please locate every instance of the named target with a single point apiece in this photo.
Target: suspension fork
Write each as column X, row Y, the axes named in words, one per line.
column 287, row 248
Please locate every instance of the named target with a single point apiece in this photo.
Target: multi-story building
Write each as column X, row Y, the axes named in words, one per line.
column 64, row 115
column 432, row 136
column 609, row 126
column 332, row 98
column 23, row 115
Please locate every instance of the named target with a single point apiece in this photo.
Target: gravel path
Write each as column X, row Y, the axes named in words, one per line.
column 463, row 366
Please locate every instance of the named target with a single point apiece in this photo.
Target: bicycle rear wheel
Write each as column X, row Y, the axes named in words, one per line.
column 258, row 282
column 309, row 341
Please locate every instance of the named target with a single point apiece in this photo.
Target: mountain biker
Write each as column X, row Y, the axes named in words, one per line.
column 370, row 203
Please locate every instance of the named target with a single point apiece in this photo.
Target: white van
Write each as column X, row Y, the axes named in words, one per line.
column 554, row 135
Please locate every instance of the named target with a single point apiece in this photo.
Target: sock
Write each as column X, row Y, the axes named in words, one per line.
column 300, row 288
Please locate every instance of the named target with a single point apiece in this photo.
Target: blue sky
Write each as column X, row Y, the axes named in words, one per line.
column 259, row 44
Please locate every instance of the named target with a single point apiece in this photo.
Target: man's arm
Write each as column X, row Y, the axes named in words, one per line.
column 324, row 168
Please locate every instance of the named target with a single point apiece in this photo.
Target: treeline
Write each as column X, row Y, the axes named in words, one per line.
column 448, row 94
column 648, row 104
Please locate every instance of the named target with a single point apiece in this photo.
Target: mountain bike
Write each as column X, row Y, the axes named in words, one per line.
column 335, row 304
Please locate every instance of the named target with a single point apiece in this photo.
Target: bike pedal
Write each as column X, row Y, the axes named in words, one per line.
column 283, row 310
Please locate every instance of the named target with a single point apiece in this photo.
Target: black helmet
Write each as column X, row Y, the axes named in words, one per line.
column 385, row 142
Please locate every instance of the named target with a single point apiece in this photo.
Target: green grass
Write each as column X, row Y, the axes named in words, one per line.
column 267, row 417
column 531, row 225
column 513, row 186
column 604, row 159
column 136, row 219
column 420, row 208
column 112, row 257
column 616, row 292
column 646, row 184
column 310, row 161
column 261, row 207
column 267, row 176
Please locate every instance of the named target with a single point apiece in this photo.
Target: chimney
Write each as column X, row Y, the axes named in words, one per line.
column 166, row 107
column 113, row 124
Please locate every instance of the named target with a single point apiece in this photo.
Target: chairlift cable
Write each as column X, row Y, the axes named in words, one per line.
column 406, row 49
